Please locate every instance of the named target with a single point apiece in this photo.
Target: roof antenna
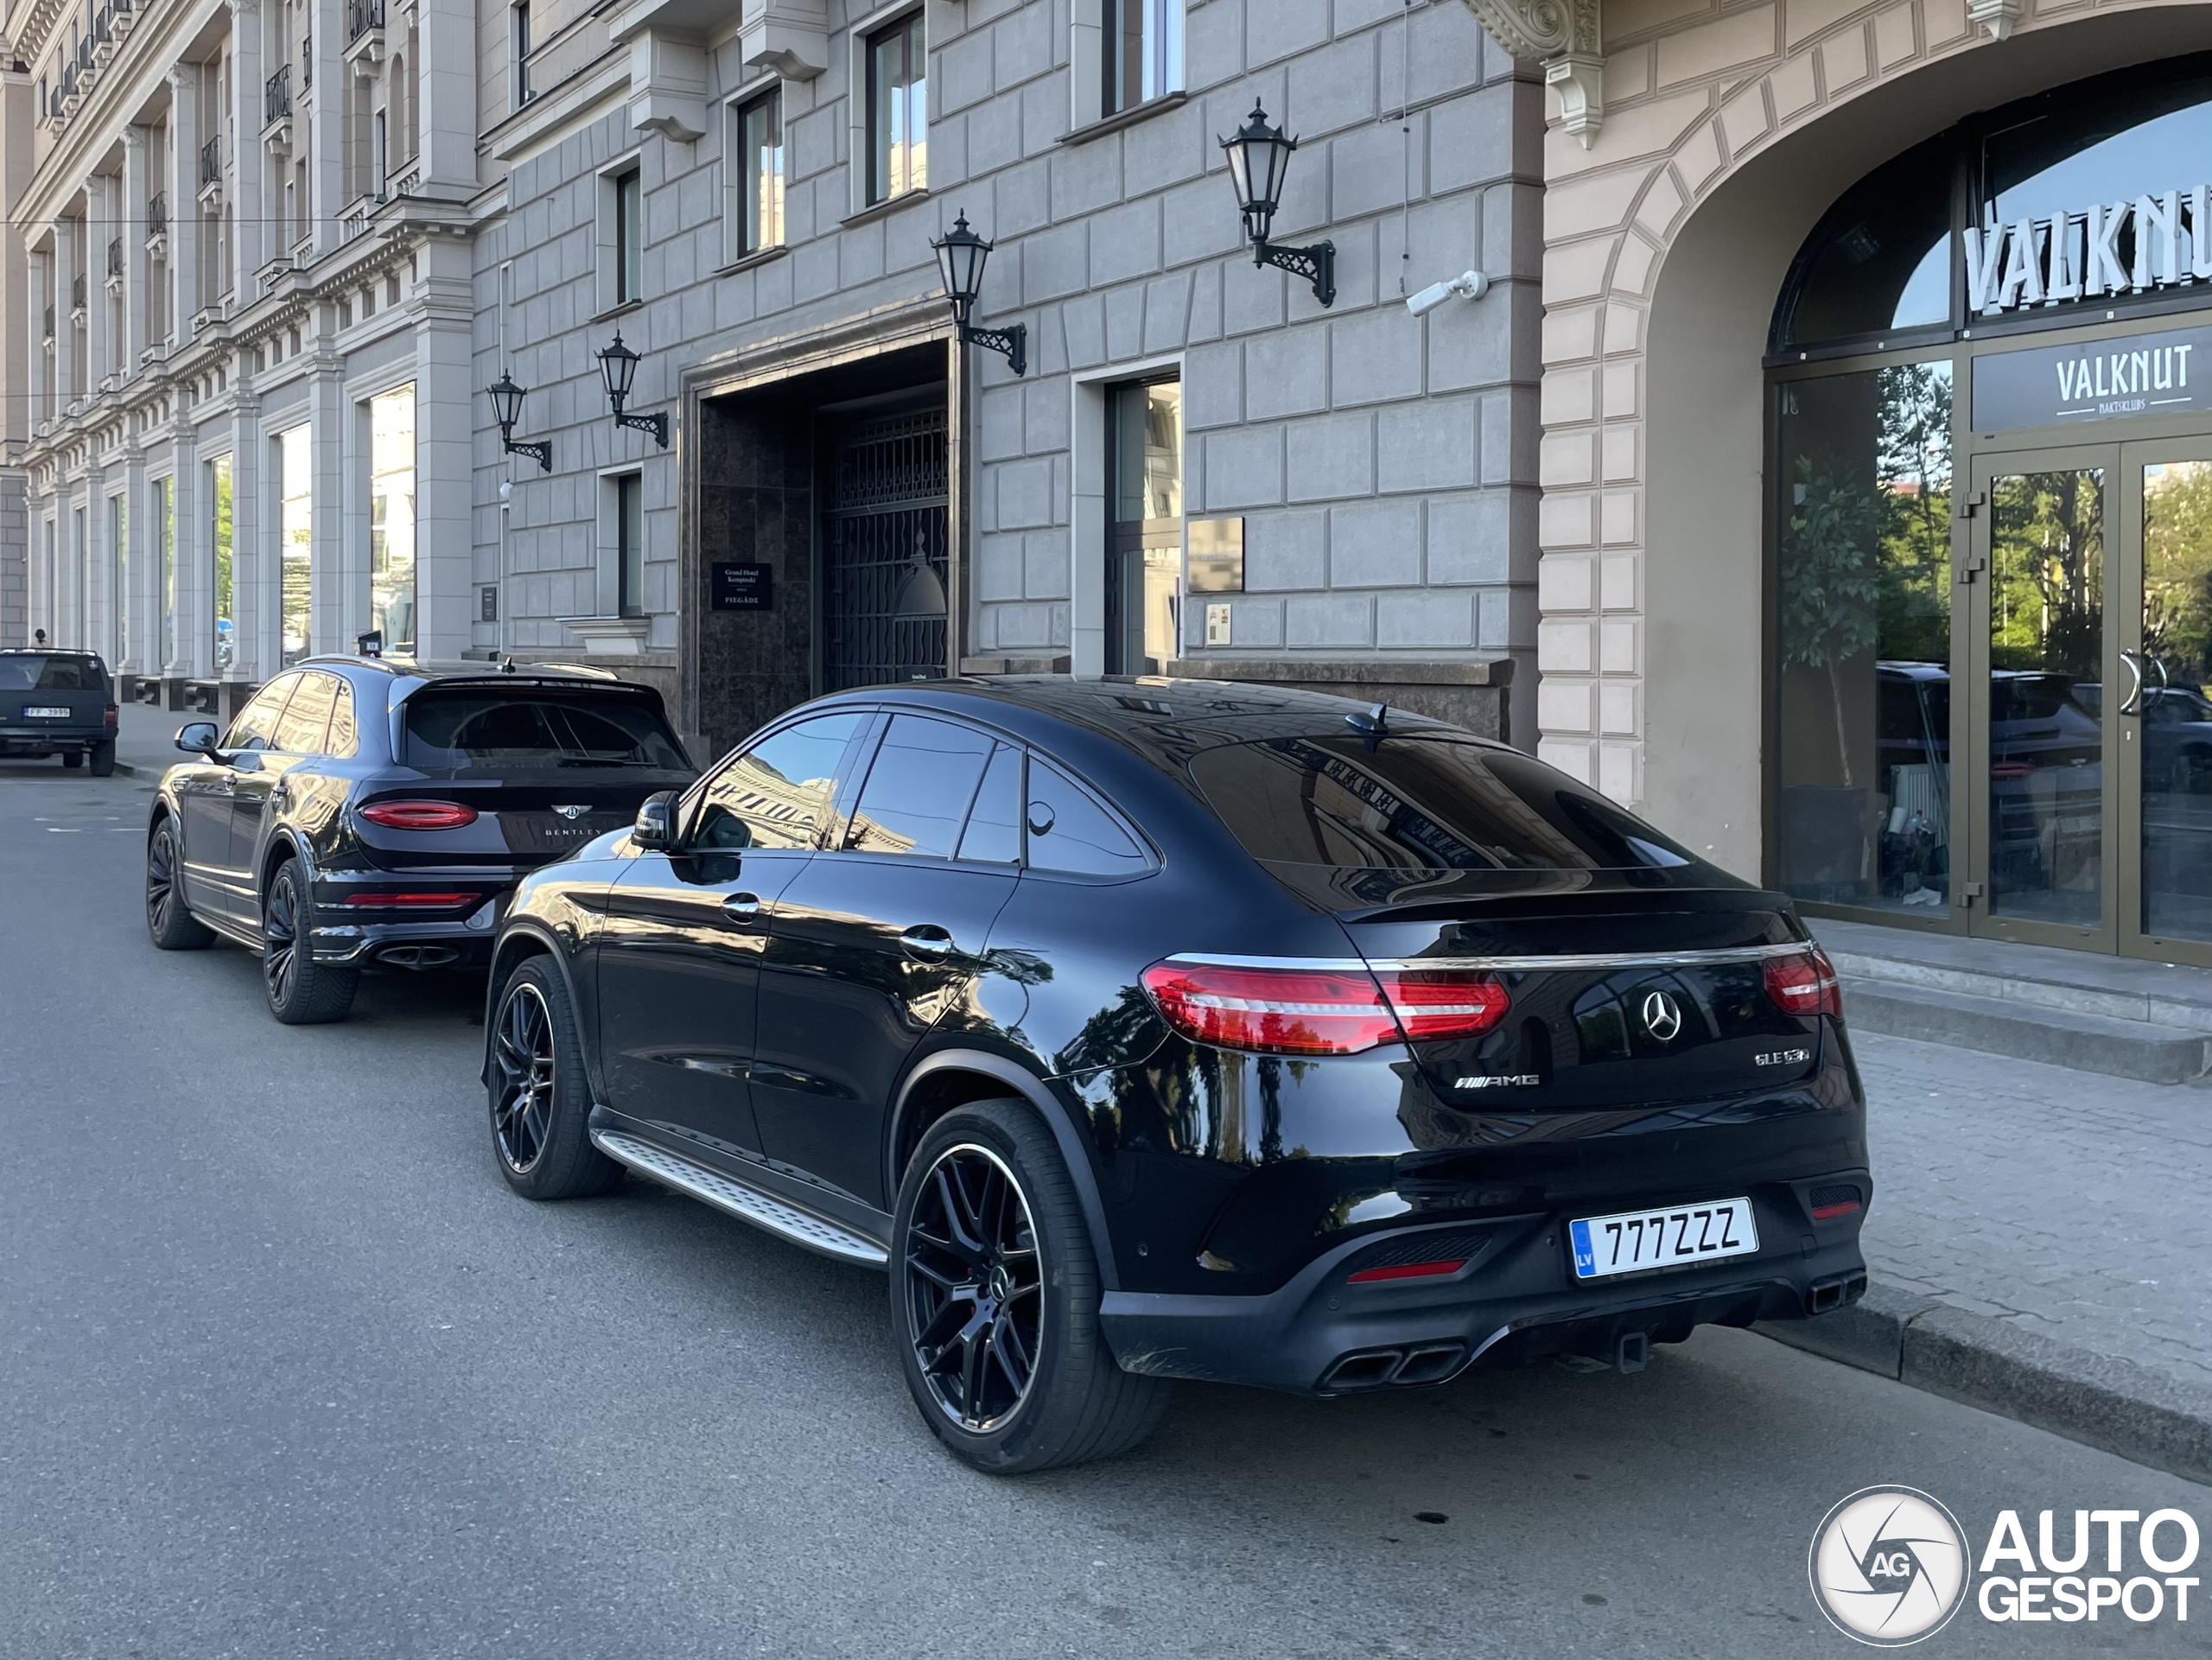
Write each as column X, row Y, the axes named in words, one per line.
column 506, row 666
column 1373, row 724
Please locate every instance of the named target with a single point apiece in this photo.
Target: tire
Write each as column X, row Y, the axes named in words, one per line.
column 172, row 927
column 103, row 758
column 987, row 1178
column 537, row 1092
column 300, row 992
column 73, row 759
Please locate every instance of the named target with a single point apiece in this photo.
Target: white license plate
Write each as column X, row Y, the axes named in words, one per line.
column 47, row 714
column 1681, row 1237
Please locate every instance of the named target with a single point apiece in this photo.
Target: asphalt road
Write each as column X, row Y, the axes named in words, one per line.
column 285, row 1369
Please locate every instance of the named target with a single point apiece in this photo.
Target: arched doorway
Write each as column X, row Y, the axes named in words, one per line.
column 1988, row 528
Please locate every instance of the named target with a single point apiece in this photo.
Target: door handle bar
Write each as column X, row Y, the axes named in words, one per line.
column 743, row 906
column 2134, row 704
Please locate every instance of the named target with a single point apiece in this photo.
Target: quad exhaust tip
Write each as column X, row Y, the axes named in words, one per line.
column 1406, row 1368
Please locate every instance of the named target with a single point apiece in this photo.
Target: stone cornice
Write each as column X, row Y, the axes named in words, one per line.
column 1565, row 37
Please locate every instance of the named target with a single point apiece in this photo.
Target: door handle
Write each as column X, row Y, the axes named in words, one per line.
column 2133, row 705
column 928, row 941
column 742, row 907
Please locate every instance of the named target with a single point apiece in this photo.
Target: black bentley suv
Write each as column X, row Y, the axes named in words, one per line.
column 55, row 702
column 1147, row 1029
column 362, row 810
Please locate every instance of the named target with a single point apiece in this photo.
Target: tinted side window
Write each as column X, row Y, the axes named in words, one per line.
column 306, row 721
column 919, row 788
column 778, row 793
column 1070, row 831
column 255, row 725
column 993, row 832
column 345, row 740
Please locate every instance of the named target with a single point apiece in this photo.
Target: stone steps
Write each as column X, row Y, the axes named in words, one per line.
column 2128, row 1019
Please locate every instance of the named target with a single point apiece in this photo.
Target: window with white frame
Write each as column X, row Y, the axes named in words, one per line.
column 622, row 545
column 1123, row 54
column 897, row 109
column 754, row 153
column 621, row 237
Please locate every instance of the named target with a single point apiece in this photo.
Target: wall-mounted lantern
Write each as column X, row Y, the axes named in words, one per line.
column 506, row 410
column 620, row 365
column 1259, row 159
column 961, row 256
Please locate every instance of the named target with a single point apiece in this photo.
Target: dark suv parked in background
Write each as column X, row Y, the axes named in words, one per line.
column 1148, row 1030
column 362, row 810
column 55, row 702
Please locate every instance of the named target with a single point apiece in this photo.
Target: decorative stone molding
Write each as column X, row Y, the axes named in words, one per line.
column 1998, row 16
column 1564, row 36
column 609, row 636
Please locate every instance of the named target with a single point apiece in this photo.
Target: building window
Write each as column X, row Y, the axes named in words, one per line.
column 1144, row 530
column 1142, row 52
column 756, row 150
column 520, row 35
column 391, row 519
column 621, row 238
column 118, row 555
column 221, row 531
column 629, row 513
column 295, row 540
column 897, row 110
column 165, row 571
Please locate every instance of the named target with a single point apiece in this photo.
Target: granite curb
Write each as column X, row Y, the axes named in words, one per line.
column 2114, row 1405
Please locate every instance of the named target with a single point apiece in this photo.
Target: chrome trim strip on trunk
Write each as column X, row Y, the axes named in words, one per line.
column 1512, row 965
column 788, row 1221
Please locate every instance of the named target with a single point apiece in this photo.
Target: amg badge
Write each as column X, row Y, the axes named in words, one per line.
column 1506, row 1081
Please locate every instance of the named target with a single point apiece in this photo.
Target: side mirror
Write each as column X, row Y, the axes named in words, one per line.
column 197, row 738
column 655, row 830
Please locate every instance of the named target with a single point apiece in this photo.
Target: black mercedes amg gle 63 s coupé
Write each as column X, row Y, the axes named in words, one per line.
column 1147, row 1029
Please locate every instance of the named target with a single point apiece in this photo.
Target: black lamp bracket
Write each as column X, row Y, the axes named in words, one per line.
column 542, row 453
column 1012, row 344
column 1316, row 263
column 656, row 423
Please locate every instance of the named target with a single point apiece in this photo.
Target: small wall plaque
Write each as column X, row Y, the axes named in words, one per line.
column 744, row 587
column 1216, row 561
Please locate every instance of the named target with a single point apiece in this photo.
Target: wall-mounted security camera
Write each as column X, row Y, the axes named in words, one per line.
column 1467, row 285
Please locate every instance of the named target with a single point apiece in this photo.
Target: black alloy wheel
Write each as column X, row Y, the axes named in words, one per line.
column 995, row 1296
column 976, row 1282
column 300, row 992
column 539, row 1096
column 172, row 927
column 522, row 1065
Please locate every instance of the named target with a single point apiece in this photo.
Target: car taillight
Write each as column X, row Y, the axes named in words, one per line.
column 1282, row 1011
column 419, row 815
column 411, row 901
column 1323, row 1010
column 1804, row 983
column 1434, row 1004
column 108, row 717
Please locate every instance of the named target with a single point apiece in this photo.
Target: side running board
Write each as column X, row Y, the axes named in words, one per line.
column 746, row 1204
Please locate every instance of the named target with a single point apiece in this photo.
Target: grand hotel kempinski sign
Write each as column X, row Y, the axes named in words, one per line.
column 2106, row 248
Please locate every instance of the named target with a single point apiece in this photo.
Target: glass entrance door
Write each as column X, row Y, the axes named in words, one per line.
column 2083, row 609
column 2033, row 586
column 2161, row 711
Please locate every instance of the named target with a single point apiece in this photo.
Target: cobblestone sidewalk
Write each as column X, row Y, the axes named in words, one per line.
column 2067, row 1204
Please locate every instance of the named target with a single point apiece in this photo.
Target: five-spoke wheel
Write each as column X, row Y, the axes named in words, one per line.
column 522, row 1083
column 976, row 1287
column 995, row 1297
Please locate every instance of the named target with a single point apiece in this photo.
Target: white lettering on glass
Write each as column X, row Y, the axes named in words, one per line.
column 2167, row 240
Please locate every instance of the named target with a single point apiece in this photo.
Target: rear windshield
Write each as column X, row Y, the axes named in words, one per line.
column 50, row 671
column 1424, row 804
column 508, row 730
